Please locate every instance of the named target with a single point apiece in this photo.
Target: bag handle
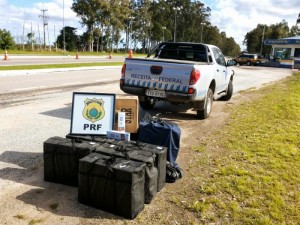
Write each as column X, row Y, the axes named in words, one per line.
column 109, row 163
column 124, row 150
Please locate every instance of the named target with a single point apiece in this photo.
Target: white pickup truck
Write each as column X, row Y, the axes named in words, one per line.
column 180, row 73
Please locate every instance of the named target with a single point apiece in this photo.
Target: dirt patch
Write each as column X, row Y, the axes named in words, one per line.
column 27, row 199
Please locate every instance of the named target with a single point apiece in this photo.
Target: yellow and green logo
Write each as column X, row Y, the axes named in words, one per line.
column 93, row 109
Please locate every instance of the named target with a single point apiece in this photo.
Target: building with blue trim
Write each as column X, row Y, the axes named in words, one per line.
column 286, row 51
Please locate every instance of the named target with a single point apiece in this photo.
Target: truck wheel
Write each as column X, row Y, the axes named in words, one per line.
column 248, row 63
column 204, row 113
column 229, row 93
column 146, row 103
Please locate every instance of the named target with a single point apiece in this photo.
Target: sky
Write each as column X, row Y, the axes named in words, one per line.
column 234, row 17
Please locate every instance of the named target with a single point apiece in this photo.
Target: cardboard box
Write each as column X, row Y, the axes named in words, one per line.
column 129, row 105
column 118, row 135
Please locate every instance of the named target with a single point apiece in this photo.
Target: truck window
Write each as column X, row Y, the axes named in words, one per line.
column 220, row 59
column 189, row 53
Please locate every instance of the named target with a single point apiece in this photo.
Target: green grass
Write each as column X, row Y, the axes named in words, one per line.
column 20, row 216
column 53, row 66
column 255, row 178
column 35, row 221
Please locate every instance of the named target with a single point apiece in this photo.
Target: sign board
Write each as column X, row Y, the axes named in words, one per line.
column 289, row 41
column 92, row 113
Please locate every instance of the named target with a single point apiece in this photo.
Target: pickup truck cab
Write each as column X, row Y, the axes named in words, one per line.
column 180, row 73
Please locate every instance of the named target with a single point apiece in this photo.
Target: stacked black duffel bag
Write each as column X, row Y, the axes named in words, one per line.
column 61, row 159
column 103, row 167
column 159, row 151
column 115, row 185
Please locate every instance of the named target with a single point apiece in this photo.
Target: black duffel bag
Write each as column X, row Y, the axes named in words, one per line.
column 159, row 151
column 160, row 159
column 61, row 159
column 115, row 185
column 151, row 173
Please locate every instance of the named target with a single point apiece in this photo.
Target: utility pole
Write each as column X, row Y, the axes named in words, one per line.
column 64, row 34
column 45, row 23
column 32, row 48
column 23, row 35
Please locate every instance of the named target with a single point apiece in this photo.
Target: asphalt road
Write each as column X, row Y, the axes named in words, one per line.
column 14, row 60
column 13, row 81
column 20, row 81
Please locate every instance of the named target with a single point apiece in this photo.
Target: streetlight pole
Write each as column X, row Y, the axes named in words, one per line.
column 131, row 18
column 164, row 33
column 175, row 9
column 202, row 24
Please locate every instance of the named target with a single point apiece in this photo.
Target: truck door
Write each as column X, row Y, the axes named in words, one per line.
column 221, row 70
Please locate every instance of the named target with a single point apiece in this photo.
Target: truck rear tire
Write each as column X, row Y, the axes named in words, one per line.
column 146, row 103
column 204, row 113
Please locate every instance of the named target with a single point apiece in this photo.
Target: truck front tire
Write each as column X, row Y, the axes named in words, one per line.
column 204, row 113
column 229, row 92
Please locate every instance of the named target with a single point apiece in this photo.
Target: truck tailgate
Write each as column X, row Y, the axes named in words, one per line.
column 159, row 75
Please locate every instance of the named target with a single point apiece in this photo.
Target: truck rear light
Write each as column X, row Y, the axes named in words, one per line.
column 122, row 82
column 123, row 71
column 191, row 91
column 195, row 75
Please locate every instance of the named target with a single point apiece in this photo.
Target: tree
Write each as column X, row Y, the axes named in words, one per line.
column 230, row 48
column 254, row 38
column 143, row 22
column 294, row 31
column 71, row 39
column 147, row 22
column 87, row 11
column 30, row 40
column 6, row 40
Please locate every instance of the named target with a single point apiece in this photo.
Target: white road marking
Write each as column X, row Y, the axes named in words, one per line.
column 67, row 84
column 29, row 88
column 102, row 80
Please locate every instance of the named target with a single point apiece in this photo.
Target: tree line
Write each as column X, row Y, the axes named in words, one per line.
column 145, row 23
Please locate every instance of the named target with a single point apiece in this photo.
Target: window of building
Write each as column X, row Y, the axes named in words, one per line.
column 297, row 52
column 283, row 53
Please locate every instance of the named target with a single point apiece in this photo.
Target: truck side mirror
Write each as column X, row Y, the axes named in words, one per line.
column 230, row 63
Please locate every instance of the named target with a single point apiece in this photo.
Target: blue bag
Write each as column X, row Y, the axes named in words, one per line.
column 159, row 132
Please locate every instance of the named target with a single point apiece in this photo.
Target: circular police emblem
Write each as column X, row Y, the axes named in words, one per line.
column 93, row 109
